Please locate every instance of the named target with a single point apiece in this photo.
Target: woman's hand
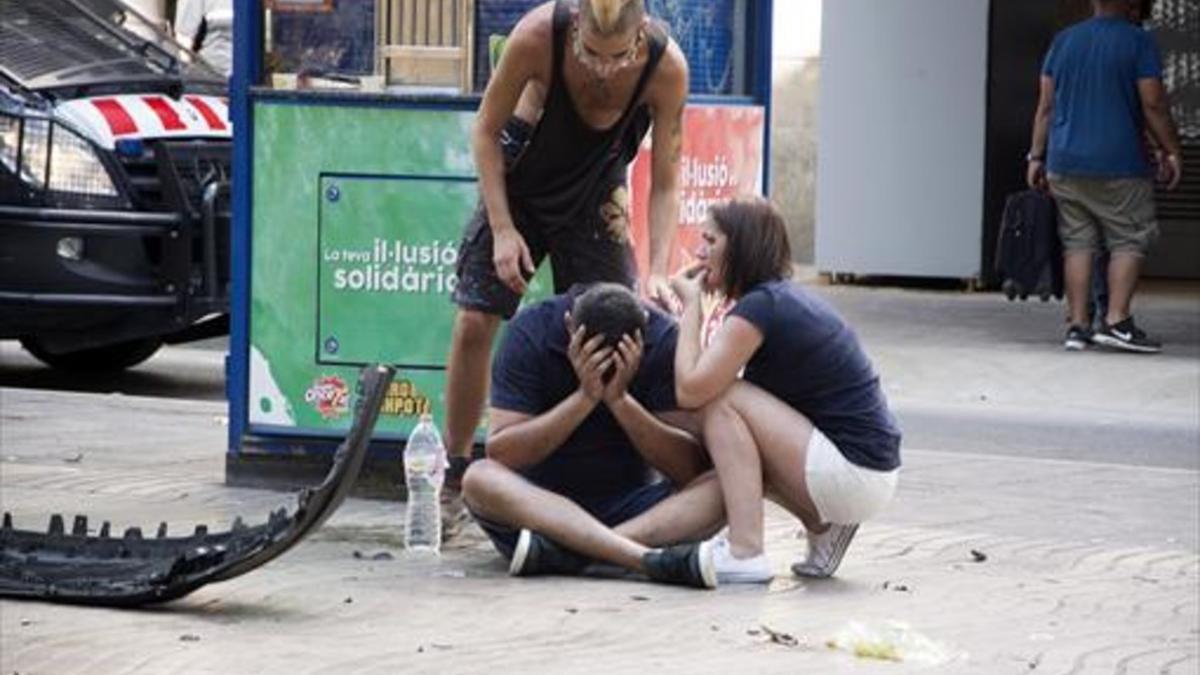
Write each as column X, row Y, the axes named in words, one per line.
column 688, row 284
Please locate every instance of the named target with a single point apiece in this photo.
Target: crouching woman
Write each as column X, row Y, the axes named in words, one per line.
column 805, row 424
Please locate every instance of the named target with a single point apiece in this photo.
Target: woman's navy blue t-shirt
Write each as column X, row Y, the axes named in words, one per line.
column 811, row 360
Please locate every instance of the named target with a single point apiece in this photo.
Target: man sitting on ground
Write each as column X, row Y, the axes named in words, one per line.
column 572, row 438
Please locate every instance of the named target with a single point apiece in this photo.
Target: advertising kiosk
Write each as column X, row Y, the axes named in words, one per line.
column 353, row 180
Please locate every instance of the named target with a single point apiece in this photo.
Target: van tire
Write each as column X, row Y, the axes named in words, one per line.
column 106, row 359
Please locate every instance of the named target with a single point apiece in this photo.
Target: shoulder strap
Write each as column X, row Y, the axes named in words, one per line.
column 562, row 22
column 657, row 38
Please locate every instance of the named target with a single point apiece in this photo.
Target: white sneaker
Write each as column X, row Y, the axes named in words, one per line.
column 825, row 551
column 731, row 570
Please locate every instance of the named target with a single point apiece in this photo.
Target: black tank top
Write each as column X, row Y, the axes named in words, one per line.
column 567, row 168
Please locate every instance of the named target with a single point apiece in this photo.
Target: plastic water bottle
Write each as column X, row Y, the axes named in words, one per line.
column 424, row 471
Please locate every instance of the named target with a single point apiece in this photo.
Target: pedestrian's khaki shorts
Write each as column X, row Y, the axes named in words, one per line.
column 1114, row 213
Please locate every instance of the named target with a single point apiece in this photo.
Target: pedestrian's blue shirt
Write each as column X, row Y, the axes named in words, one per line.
column 811, row 360
column 531, row 374
column 1097, row 126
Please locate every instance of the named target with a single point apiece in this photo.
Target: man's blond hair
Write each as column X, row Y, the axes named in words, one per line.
column 609, row 17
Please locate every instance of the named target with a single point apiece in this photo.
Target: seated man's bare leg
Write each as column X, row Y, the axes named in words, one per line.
column 498, row 493
column 696, row 512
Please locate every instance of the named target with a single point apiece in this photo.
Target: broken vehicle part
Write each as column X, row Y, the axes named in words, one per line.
column 75, row 567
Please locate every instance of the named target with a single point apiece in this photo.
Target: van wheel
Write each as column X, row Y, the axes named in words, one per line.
column 109, row 358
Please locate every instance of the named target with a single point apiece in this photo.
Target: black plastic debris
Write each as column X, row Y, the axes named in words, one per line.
column 133, row 570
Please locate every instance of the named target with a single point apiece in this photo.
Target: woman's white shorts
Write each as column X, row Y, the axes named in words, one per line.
column 844, row 492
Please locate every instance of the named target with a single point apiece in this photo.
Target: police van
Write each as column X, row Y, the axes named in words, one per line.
column 115, row 148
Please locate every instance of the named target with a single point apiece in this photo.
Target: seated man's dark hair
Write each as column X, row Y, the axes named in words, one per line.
column 608, row 309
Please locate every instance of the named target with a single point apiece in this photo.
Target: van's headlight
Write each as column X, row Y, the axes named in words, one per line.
column 10, row 149
column 75, row 168
column 52, row 157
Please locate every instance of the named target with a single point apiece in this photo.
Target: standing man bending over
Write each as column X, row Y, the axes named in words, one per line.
column 578, row 86
column 572, row 438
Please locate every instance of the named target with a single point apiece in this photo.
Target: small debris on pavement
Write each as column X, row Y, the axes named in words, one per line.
column 74, row 459
column 348, row 600
column 434, row 645
column 890, row 641
column 189, row 637
column 379, row 555
column 978, row 556
column 26, row 622
column 899, row 588
column 639, row 598
column 572, row 610
column 780, row 638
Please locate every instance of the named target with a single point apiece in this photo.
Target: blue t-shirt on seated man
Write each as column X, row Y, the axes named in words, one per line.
column 1097, row 129
column 581, row 384
column 531, row 373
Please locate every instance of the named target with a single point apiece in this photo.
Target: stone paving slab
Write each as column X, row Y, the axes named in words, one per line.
column 1090, row 567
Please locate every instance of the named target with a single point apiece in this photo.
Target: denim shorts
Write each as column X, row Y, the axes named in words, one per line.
column 582, row 254
column 595, row 247
column 611, row 511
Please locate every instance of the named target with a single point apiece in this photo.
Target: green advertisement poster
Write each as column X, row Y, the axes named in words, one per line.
column 357, row 216
column 357, row 219
column 386, row 268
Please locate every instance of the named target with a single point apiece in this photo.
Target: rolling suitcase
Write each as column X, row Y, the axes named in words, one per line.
column 1028, row 251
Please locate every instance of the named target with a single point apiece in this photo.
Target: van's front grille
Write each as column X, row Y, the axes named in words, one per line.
column 175, row 176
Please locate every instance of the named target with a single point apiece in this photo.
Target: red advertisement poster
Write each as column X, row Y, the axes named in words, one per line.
column 722, row 157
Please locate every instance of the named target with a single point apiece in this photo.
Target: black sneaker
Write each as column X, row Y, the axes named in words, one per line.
column 536, row 554
column 683, row 564
column 1127, row 336
column 1078, row 338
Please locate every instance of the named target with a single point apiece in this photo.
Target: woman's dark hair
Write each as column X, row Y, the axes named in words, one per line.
column 756, row 246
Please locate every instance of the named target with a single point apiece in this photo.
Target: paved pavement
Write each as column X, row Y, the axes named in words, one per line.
column 1048, row 520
